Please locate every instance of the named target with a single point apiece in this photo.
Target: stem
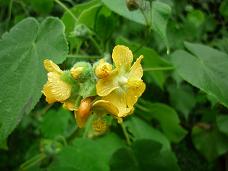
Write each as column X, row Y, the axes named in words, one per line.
column 66, row 9
column 9, row 13
column 125, row 133
column 142, row 108
column 83, row 56
column 158, row 69
column 33, row 161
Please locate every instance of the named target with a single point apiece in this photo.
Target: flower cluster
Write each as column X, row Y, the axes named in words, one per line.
column 101, row 89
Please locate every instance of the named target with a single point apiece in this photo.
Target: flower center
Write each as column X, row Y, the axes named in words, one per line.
column 122, row 81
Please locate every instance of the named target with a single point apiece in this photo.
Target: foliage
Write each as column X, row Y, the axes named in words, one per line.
column 179, row 123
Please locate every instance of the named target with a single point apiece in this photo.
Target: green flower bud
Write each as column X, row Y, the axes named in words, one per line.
column 81, row 71
column 81, row 31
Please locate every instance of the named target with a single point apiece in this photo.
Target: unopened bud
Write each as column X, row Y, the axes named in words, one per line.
column 83, row 112
column 132, row 4
column 76, row 71
column 103, row 69
column 100, row 126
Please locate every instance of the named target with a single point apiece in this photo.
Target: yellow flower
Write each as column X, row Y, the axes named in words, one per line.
column 55, row 90
column 123, row 86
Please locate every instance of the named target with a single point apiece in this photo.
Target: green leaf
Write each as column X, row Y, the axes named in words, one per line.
column 167, row 118
column 182, row 98
column 141, row 130
column 222, row 123
column 160, row 16
column 204, row 68
column 210, row 142
column 69, row 21
column 42, row 6
column 22, row 74
column 151, row 60
column 120, row 7
column 144, row 155
column 88, row 155
column 223, row 9
column 55, row 123
column 196, row 17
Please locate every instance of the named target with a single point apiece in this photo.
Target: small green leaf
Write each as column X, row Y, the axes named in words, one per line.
column 210, row 142
column 160, row 16
column 204, row 68
column 222, row 123
column 88, row 155
column 167, row 118
column 42, row 6
column 55, row 123
column 182, row 98
column 146, row 155
column 223, row 9
column 140, row 129
column 196, row 17
column 22, row 74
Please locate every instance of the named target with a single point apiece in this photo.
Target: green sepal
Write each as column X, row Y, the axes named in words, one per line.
column 67, row 77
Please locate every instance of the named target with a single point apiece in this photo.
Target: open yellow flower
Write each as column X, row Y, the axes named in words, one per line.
column 123, row 86
column 55, row 90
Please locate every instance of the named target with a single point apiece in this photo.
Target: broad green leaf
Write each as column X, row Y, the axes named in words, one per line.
column 55, row 123
column 151, row 60
column 144, row 155
column 22, row 74
column 204, row 68
column 182, row 98
column 222, row 123
column 167, row 118
column 141, row 130
column 120, row 7
column 88, row 155
column 210, row 142
column 160, row 16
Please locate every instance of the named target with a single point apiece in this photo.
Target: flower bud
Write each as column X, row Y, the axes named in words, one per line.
column 83, row 112
column 76, row 71
column 103, row 69
column 81, row 31
column 81, row 71
column 132, row 4
column 100, row 126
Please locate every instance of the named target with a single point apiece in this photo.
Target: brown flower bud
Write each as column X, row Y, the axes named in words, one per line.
column 132, row 4
column 83, row 112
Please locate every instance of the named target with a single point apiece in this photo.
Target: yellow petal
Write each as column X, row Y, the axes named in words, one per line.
column 119, row 100
column 134, row 91
column 106, row 105
column 69, row 105
column 50, row 98
column 136, row 71
column 51, row 66
column 59, row 90
column 107, row 85
column 122, row 56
